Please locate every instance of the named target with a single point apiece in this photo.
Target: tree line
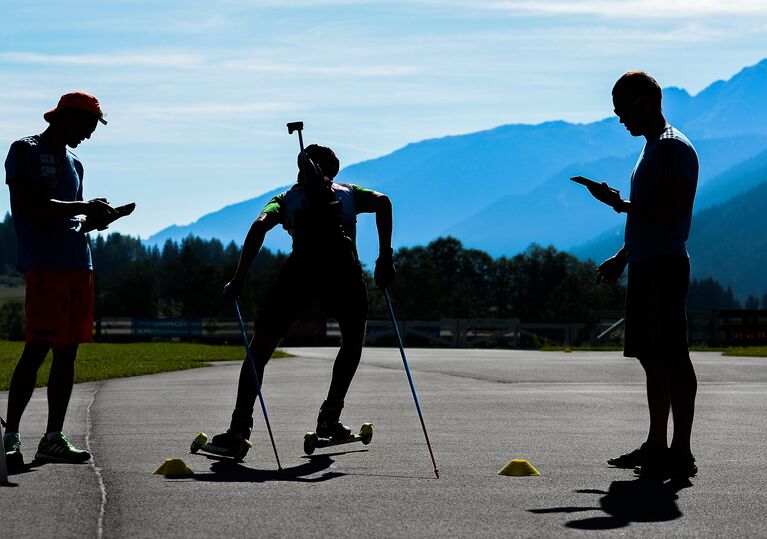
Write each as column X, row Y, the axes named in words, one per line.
column 443, row 279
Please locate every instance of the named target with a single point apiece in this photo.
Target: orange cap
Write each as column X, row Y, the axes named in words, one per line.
column 77, row 100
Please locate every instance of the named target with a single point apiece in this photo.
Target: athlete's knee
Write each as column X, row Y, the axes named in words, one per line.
column 33, row 355
column 682, row 369
column 352, row 332
column 65, row 354
column 262, row 346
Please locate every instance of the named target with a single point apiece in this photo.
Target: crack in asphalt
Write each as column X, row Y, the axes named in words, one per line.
column 96, row 469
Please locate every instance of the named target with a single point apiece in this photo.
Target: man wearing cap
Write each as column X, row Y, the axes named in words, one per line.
column 46, row 187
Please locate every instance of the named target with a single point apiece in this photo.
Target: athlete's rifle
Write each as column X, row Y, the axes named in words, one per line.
column 311, row 174
column 323, row 206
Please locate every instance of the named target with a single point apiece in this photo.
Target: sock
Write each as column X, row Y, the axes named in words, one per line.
column 52, row 435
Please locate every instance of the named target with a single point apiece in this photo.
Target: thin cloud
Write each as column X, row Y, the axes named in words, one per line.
column 110, row 60
column 639, row 9
column 335, row 71
column 213, row 108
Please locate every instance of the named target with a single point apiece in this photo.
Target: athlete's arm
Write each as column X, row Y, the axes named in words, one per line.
column 672, row 193
column 611, row 269
column 383, row 210
column 369, row 201
column 384, row 271
column 670, row 207
column 45, row 208
column 27, row 192
column 253, row 242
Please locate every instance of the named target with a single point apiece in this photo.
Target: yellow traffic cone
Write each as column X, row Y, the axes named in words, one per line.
column 174, row 468
column 518, row 468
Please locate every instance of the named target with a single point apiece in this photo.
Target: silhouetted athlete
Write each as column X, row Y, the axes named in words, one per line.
column 46, row 186
column 658, row 217
column 323, row 266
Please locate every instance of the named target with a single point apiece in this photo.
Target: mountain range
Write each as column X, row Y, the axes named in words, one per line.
column 501, row 189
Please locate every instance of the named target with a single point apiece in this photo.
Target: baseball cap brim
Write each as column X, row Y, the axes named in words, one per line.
column 80, row 101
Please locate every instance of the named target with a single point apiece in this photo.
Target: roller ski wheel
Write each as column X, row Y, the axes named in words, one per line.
column 237, row 453
column 312, row 441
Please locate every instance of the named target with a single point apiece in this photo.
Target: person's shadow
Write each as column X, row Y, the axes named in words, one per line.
column 626, row 502
column 225, row 470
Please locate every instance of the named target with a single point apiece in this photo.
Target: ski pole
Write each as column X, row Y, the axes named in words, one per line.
column 410, row 379
column 3, row 464
column 255, row 378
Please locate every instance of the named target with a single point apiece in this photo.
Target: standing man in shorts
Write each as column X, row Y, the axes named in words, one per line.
column 323, row 267
column 46, row 187
column 658, row 217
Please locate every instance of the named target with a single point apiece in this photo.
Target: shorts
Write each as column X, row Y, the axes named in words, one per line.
column 338, row 286
column 656, row 316
column 59, row 306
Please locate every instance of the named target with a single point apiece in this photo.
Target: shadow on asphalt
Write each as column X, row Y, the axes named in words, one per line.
column 336, row 454
column 626, row 502
column 225, row 470
column 29, row 467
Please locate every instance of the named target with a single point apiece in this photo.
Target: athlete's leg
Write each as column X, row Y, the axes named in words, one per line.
column 262, row 347
column 348, row 357
column 683, row 389
column 658, row 400
column 23, row 381
column 284, row 303
column 60, row 382
column 349, row 306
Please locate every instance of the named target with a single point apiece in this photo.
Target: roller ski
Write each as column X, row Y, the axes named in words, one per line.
column 313, row 441
column 234, row 449
column 233, row 444
column 330, row 431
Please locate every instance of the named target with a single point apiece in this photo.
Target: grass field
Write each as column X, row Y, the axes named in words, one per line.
column 749, row 351
column 12, row 293
column 99, row 361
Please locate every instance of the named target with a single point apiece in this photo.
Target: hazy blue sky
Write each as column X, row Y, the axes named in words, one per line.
column 197, row 93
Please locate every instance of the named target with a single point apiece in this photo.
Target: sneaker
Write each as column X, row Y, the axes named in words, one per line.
column 13, row 458
column 682, row 466
column 630, row 460
column 60, row 449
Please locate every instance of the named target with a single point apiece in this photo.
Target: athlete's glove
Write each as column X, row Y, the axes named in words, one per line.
column 385, row 270
column 233, row 288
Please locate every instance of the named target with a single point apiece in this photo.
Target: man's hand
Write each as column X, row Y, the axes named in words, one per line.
column 385, row 271
column 98, row 209
column 601, row 191
column 100, row 214
column 233, row 288
column 611, row 269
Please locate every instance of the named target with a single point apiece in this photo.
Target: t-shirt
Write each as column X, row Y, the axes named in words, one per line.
column 354, row 200
column 665, row 175
column 44, row 173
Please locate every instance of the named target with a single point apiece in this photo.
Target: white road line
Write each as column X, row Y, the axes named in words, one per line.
column 96, row 469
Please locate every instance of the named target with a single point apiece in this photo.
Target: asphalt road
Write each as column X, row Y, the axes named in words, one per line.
column 565, row 413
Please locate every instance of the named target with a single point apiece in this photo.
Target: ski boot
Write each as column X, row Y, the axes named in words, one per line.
column 328, row 425
column 330, row 431
column 234, row 443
